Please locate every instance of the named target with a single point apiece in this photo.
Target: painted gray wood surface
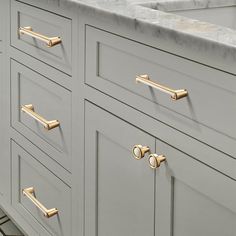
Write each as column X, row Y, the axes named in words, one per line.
column 113, row 62
column 192, row 198
column 187, row 197
column 45, row 160
column 49, row 190
column 119, row 190
column 122, row 196
column 4, row 105
column 45, row 23
column 51, row 101
column 1, row 85
column 44, row 69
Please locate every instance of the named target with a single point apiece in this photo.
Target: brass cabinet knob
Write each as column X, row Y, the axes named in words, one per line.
column 155, row 160
column 139, row 151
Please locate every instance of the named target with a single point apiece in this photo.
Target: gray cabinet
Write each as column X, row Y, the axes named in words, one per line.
column 84, row 167
column 40, row 162
column 124, row 196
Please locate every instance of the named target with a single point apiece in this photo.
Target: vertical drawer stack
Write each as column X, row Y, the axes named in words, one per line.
column 41, row 68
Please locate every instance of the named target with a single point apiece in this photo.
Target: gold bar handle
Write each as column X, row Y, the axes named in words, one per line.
column 29, row 193
column 175, row 94
column 29, row 109
column 50, row 41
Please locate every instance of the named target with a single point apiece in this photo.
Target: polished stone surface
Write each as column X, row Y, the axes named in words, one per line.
column 150, row 16
column 153, row 12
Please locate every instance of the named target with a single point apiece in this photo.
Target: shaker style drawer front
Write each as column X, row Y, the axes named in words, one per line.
column 44, row 35
column 186, row 95
column 41, row 111
column 38, row 195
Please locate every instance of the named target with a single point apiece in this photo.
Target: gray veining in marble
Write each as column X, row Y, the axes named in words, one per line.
column 156, row 15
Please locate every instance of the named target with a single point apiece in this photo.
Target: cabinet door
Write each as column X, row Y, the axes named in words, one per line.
column 119, row 190
column 192, row 198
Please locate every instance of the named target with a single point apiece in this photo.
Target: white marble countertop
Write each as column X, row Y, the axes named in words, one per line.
column 184, row 31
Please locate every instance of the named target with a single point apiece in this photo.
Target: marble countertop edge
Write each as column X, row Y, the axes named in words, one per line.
column 181, row 30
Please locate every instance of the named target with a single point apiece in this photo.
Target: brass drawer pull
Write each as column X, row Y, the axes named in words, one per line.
column 29, row 193
column 175, row 94
column 156, row 160
column 29, row 109
column 50, row 41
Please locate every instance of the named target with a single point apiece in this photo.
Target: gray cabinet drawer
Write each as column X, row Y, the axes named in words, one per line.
column 46, row 24
column 207, row 114
column 49, row 191
column 51, row 102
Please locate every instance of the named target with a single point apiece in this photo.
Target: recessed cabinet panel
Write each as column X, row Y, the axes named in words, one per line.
column 196, row 214
column 45, row 24
column 193, row 199
column 207, row 114
column 51, row 102
column 119, row 190
column 49, row 191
